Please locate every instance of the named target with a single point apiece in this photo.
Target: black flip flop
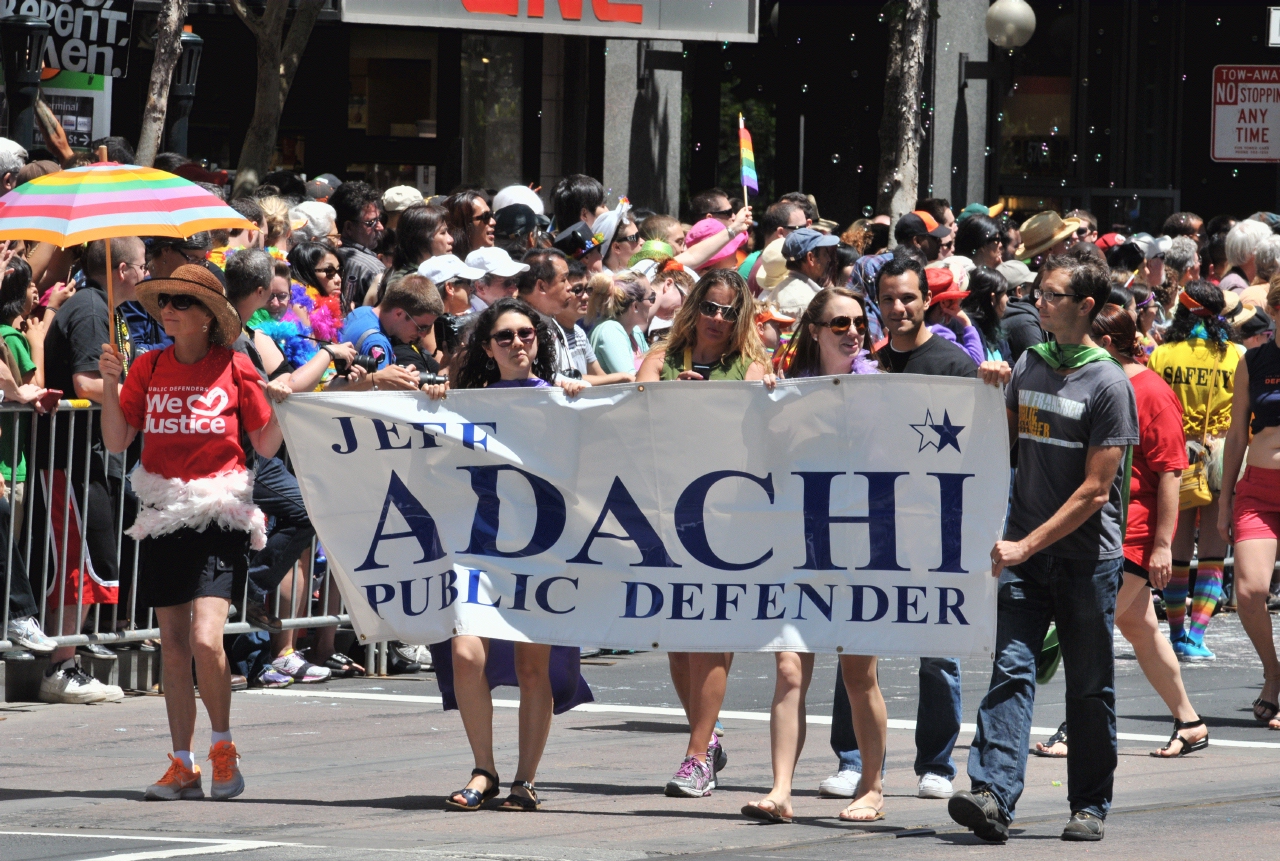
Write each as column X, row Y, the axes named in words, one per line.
column 520, row 804
column 755, row 811
column 1059, row 737
column 475, row 800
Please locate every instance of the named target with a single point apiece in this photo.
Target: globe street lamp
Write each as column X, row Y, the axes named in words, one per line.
column 1010, row 23
column 22, row 41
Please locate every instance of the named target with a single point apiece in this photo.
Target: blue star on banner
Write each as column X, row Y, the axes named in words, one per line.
column 946, row 434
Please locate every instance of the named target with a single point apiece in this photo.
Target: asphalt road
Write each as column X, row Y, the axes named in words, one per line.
column 357, row 769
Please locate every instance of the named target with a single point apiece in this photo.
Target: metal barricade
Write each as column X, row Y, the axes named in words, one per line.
column 47, row 533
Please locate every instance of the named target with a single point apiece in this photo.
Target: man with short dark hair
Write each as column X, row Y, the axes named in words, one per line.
column 903, row 292
column 358, row 208
column 1073, row 415
column 780, row 221
column 800, row 199
column 577, row 197
column 546, row 287
column 1184, row 224
column 406, row 313
column 922, row 231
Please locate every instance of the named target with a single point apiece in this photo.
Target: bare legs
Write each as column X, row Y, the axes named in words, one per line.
column 787, row 726
column 1136, row 619
column 194, row 630
column 471, row 688
column 708, row 677
column 871, row 726
column 1255, row 560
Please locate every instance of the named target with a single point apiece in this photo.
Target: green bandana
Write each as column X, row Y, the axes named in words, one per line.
column 1070, row 356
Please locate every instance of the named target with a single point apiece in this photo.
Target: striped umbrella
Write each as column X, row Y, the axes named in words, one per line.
column 106, row 200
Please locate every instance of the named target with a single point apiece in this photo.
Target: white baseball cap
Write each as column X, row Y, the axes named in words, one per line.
column 495, row 261
column 446, row 267
column 400, row 198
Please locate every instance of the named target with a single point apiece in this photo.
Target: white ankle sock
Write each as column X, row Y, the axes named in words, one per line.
column 219, row 736
column 184, row 757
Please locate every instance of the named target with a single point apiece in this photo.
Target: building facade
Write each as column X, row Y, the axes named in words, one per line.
column 1110, row 106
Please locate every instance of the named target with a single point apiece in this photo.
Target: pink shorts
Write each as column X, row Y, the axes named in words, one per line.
column 1257, row 505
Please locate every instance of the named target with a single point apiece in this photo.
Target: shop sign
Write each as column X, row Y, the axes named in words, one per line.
column 82, row 104
column 90, row 36
column 721, row 21
column 1246, row 113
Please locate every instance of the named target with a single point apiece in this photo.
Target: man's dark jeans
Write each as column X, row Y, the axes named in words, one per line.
column 937, row 720
column 1080, row 597
column 276, row 492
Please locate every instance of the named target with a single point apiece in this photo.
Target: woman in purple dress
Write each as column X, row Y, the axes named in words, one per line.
column 512, row 347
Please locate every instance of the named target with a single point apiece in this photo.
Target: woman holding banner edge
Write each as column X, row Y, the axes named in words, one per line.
column 512, row 347
column 713, row 337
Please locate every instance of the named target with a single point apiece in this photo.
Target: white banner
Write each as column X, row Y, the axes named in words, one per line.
column 841, row 514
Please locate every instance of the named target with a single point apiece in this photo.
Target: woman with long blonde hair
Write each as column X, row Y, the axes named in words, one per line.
column 713, row 337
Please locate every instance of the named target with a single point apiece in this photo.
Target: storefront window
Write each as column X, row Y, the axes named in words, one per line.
column 393, row 83
column 492, row 104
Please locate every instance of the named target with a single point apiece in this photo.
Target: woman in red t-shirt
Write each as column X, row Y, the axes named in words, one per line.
column 196, row 520
column 1151, row 519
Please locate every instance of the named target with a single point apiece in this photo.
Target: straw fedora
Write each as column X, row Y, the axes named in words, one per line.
column 773, row 267
column 1234, row 311
column 192, row 279
column 1042, row 231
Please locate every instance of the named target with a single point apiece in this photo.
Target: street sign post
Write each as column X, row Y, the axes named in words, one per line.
column 1246, row 114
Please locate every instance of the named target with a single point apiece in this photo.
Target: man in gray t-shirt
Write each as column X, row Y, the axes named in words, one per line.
column 1073, row 414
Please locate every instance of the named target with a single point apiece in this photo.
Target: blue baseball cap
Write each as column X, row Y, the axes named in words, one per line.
column 804, row 240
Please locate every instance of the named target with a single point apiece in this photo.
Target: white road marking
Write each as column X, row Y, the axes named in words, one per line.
column 205, row 847
column 604, row 708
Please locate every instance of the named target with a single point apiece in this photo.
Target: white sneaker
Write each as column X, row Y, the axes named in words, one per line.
column 294, row 665
column 27, row 634
column 67, row 683
column 934, row 786
column 843, row 784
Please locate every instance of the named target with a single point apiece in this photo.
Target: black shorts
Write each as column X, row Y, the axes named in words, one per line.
column 1131, row 567
column 179, row 567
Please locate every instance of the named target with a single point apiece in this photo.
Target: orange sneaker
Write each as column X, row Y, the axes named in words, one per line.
column 178, row 784
column 227, row 780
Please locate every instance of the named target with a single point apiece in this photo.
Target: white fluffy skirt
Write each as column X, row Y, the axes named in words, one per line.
column 170, row 504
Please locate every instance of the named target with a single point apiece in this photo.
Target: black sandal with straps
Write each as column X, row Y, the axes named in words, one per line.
column 1188, row 746
column 520, row 804
column 475, row 800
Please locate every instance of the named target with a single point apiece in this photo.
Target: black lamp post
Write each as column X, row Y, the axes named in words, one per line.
column 182, row 90
column 22, row 41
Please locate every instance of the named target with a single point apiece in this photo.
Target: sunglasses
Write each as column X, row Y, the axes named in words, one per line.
column 180, row 302
column 841, row 325
column 709, row 309
column 484, row 217
column 372, row 222
column 328, row 271
column 634, row 237
column 723, row 213
column 505, row 337
column 580, row 290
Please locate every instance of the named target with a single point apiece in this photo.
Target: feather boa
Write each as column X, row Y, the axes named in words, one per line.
column 170, row 504
column 326, row 318
column 289, row 335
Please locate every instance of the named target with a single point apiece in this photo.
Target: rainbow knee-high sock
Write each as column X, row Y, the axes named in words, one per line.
column 1175, row 597
column 1208, row 593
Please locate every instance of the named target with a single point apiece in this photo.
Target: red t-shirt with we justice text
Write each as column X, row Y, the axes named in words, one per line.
column 192, row 415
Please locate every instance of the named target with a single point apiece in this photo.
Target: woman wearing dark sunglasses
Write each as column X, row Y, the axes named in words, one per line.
column 317, row 268
column 830, row 340
column 196, row 519
column 470, row 221
column 511, row 348
column 713, row 337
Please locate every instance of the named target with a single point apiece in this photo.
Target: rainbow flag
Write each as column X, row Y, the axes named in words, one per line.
column 749, row 179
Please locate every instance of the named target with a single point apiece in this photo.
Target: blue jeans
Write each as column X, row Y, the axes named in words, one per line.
column 937, row 720
column 1080, row 596
column 276, row 492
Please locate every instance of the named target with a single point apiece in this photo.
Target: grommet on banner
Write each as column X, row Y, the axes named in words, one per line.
column 839, row 649
column 655, row 645
column 639, row 388
column 362, row 636
column 835, row 381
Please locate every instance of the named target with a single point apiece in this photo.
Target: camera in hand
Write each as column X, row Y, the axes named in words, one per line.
column 369, row 363
column 426, row 378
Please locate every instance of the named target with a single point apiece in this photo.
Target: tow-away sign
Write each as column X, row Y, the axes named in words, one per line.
column 1246, row 113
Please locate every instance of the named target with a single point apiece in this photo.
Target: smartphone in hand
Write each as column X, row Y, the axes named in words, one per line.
column 49, row 400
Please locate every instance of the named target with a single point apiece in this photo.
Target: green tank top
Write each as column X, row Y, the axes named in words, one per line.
column 732, row 366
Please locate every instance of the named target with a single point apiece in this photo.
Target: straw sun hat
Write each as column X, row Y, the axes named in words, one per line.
column 1042, row 231
column 194, row 280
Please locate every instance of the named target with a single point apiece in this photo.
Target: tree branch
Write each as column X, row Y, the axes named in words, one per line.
column 168, row 50
column 252, row 21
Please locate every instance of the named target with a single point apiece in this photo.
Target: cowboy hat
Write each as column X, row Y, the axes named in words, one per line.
column 1042, row 231
column 192, row 279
